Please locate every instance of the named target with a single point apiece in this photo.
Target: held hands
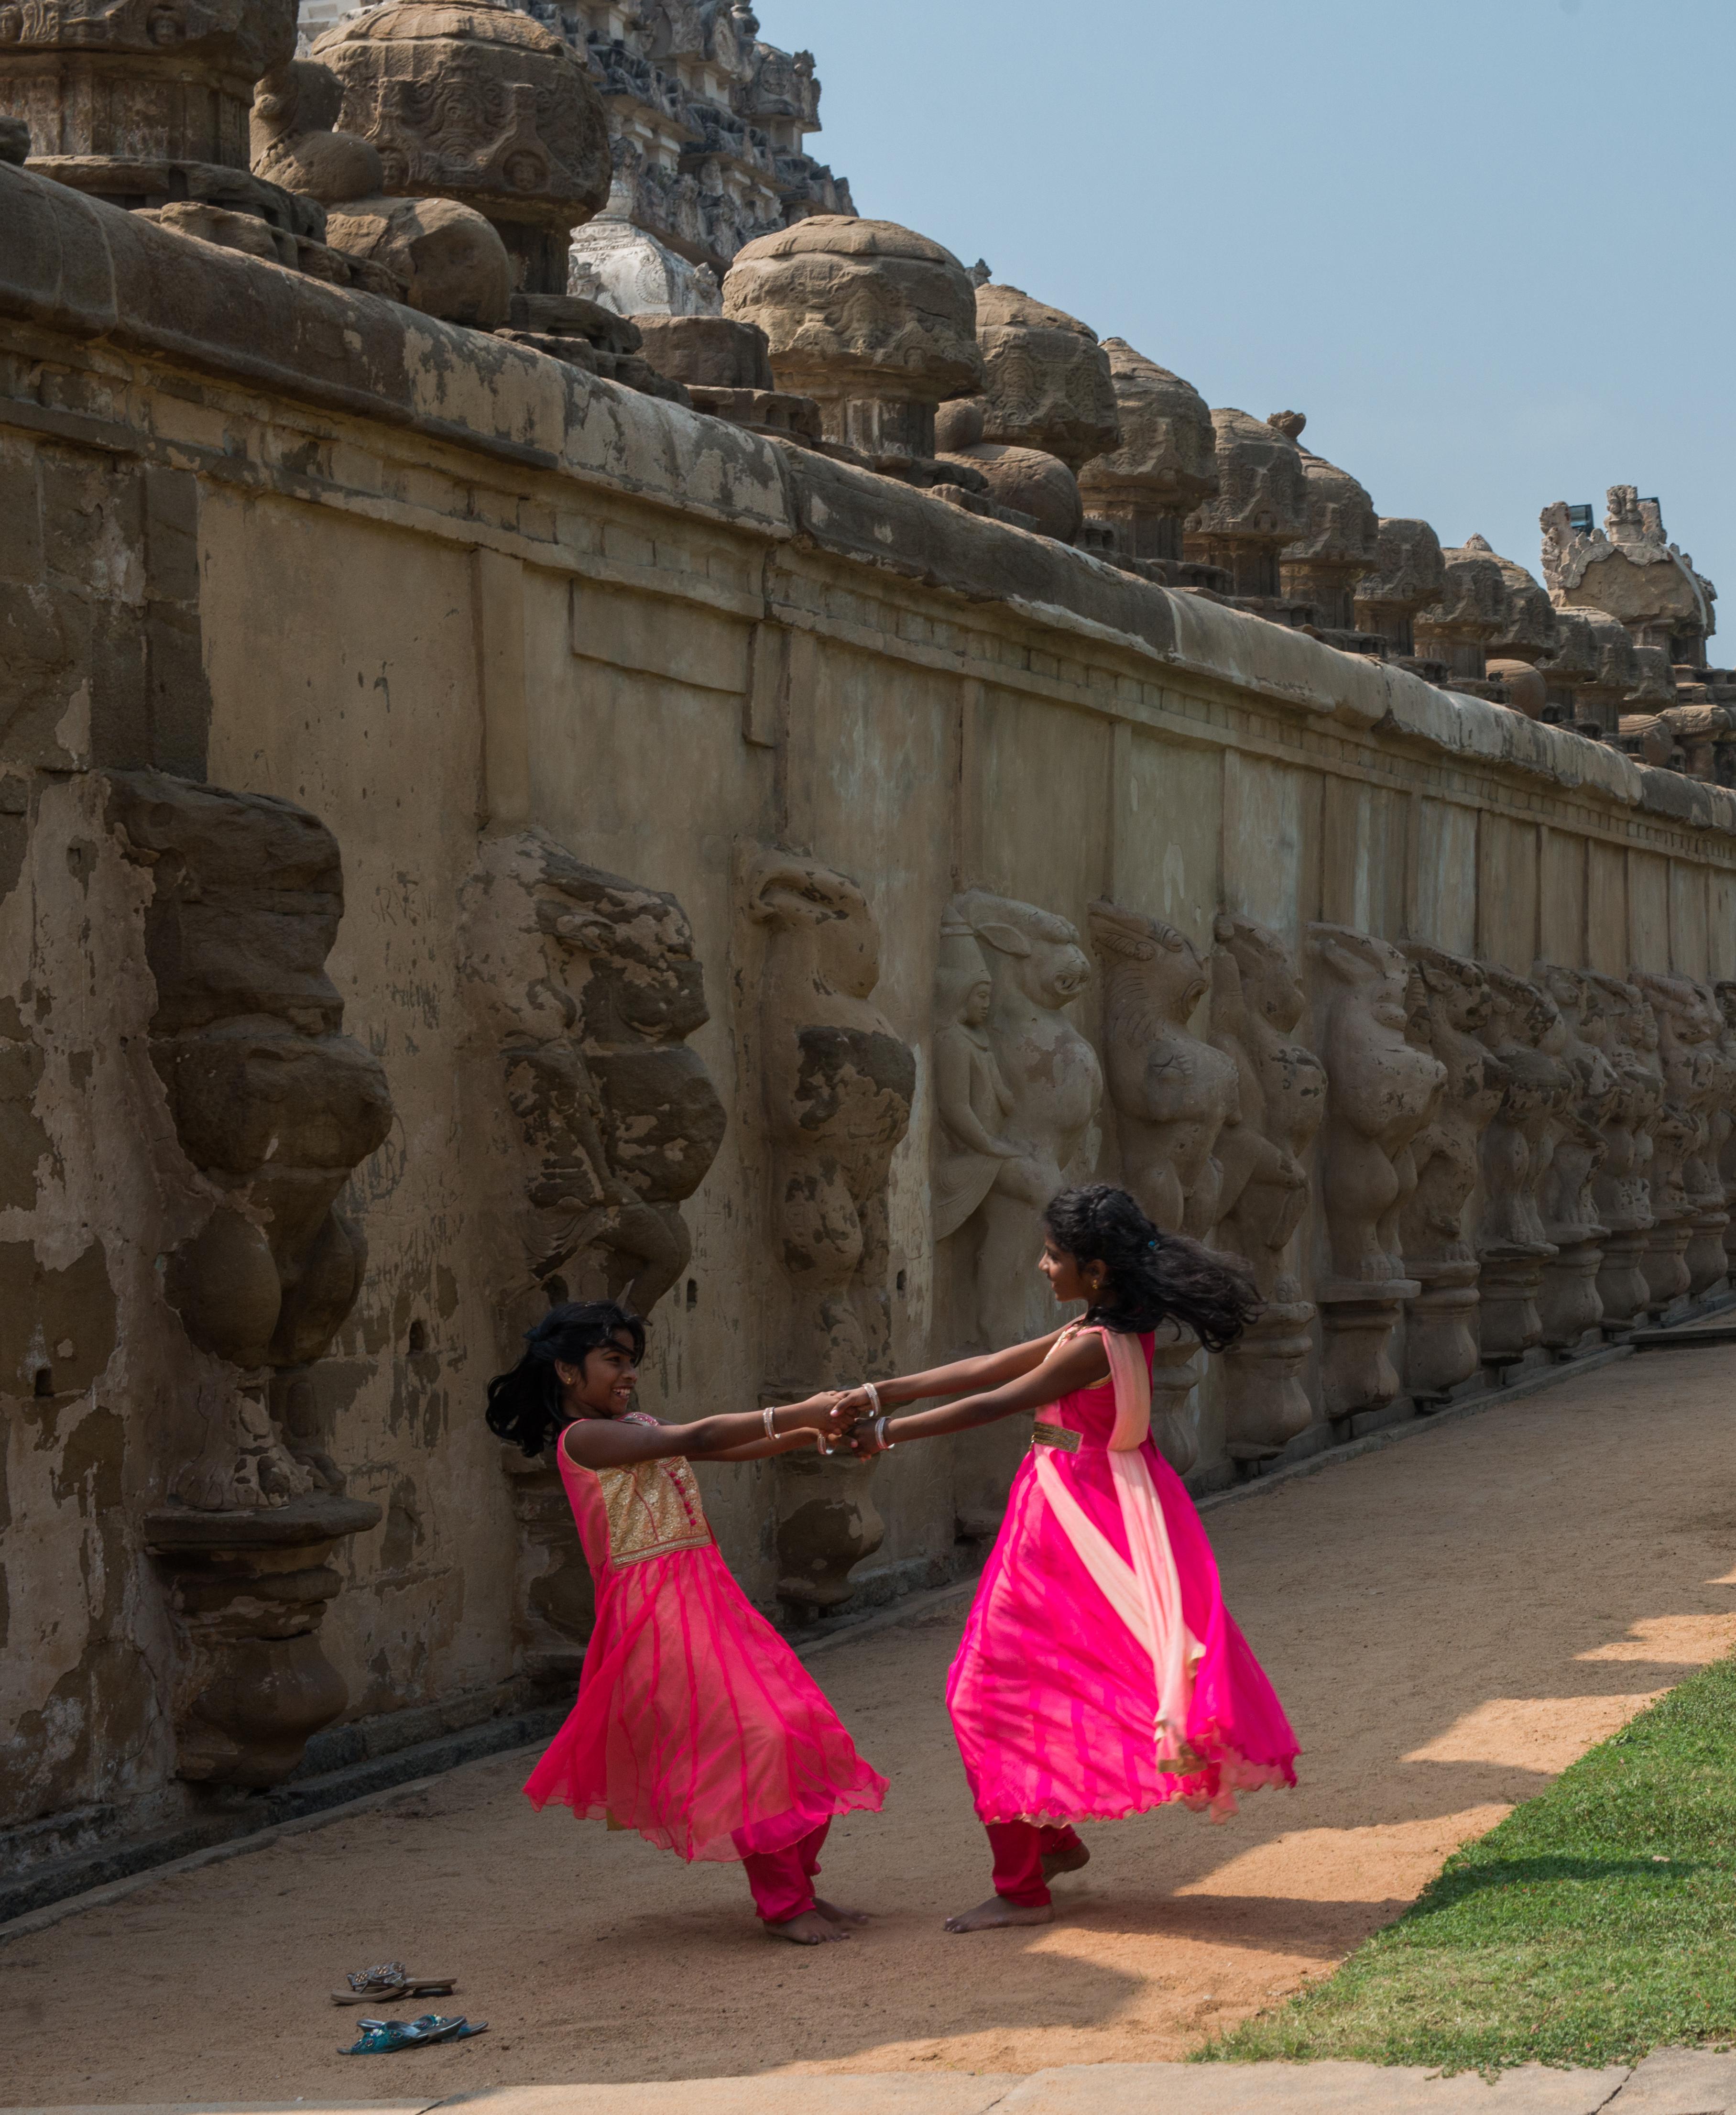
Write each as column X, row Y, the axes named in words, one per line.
column 857, row 1420
column 850, row 1405
column 817, row 1414
column 843, row 1420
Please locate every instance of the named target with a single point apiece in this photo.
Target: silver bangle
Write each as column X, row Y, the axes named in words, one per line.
column 769, row 1417
column 872, row 1393
column 880, row 1439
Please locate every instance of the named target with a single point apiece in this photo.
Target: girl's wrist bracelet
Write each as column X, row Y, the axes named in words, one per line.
column 769, row 1417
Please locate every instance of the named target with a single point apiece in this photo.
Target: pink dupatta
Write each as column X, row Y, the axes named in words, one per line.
column 1143, row 1588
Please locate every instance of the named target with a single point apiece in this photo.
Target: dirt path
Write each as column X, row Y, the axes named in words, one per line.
column 1449, row 1622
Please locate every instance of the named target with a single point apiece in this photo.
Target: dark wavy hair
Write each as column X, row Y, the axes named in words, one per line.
column 1153, row 1277
column 524, row 1405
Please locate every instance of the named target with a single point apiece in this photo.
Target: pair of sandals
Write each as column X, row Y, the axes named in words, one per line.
column 390, row 1979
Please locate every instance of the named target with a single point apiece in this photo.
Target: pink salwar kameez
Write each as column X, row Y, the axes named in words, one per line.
column 1100, row 1673
column 695, row 1723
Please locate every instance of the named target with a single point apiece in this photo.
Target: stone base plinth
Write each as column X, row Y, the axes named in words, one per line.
column 1665, row 1263
column 1440, row 1347
column 249, row 1590
column 1567, row 1302
column 1265, row 1403
column 1175, row 1376
column 1621, row 1281
column 1707, row 1264
column 1357, row 1322
column 1509, row 1324
column 827, row 1523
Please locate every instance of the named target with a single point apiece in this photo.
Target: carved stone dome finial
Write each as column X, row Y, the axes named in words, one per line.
column 475, row 101
column 144, row 103
column 1408, row 573
column 1166, row 462
column 1262, row 503
column 1340, row 544
column 874, row 322
column 1047, row 381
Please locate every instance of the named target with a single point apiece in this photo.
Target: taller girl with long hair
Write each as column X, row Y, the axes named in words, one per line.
column 1100, row 1673
column 695, row 1723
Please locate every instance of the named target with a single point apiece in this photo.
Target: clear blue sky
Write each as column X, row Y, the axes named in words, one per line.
column 1485, row 246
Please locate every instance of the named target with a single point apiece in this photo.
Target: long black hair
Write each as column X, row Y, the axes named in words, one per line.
column 1150, row 1276
column 524, row 1405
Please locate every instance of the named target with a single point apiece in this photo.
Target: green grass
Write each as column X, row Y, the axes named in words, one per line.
column 1596, row 1923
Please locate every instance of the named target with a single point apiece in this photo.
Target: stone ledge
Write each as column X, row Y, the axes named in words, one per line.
column 73, row 264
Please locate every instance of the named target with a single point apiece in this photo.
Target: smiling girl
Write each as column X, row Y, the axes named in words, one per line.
column 695, row 1723
column 1100, row 1673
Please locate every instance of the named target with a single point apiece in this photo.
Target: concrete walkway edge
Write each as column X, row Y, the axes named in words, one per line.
column 1673, row 2081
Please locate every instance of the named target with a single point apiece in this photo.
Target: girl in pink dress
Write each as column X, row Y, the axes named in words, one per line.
column 695, row 1723
column 1100, row 1673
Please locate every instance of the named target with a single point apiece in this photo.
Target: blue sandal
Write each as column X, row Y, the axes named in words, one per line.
column 380, row 2037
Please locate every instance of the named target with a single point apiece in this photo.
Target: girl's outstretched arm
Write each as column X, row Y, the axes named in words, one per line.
column 608, row 1443
column 968, row 1376
column 1080, row 1362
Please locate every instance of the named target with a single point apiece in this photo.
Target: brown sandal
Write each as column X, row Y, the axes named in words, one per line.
column 390, row 1979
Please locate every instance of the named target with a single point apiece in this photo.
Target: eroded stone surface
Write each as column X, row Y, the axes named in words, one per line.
column 471, row 100
column 877, row 324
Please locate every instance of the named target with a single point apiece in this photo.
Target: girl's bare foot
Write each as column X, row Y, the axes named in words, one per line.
column 834, row 1915
column 810, row 1929
column 1065, row 1861
column 998, row 1912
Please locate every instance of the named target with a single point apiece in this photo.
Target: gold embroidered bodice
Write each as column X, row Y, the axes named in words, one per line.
column 651, row 1509
column 626, row 1515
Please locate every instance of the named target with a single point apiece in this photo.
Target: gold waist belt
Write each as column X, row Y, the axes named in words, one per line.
column 1054, row 1435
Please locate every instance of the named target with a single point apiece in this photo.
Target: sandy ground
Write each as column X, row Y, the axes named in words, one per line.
column 1450, row 1620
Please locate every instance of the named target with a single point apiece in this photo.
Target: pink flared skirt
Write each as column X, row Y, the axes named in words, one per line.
column 696, row 1724
column 1055, row 1700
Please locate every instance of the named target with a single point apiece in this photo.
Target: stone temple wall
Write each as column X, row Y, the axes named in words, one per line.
column 470, row 830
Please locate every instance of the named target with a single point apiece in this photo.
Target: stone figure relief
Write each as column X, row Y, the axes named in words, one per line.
column 1724, row 1127
column 1173, row 1095
column 1256, row 1003
column 837, row 1083
column 1037, row 969
column 1448, row 1003
column 295, row 141
column 1380, row 1092
column 1052, row 1085
column 1524, row 1036
column 271, row 1101
column 1568, row 1303
column 583, row 988
column 274, row 1107
column 1702, row 1178
column 1621, row 1187
column 972, row 1101
column 1681, row 1023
